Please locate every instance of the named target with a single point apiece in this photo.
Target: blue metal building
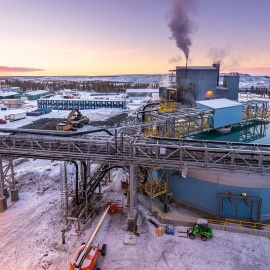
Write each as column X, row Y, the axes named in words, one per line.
column 69, row 104
column 226, row 112
column 203, row 82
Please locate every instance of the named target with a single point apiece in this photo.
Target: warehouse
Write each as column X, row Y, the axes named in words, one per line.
column 142, row 92
column 13, row 89
column 34, row 95
column 61, row 104
column 7, row 95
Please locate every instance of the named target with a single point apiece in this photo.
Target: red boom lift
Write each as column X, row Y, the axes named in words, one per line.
column 86, row 256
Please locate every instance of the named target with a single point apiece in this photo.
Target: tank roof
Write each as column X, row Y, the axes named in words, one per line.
column 219, row 103
column 197, row 67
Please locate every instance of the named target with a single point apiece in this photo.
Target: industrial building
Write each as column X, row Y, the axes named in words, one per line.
column 193, row 83
column 7, row 95
column 70, row 104
column 13, row 89
column 151, row 93
column 11, row 103
column 34, row 95
column 222, row 107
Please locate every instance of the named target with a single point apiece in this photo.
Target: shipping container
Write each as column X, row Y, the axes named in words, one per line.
column 34, row 113
column 17, row 116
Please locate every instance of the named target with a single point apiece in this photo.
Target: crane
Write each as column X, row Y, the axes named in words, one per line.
column 85, row 257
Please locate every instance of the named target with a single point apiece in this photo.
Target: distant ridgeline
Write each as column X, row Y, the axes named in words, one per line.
column 97, row 84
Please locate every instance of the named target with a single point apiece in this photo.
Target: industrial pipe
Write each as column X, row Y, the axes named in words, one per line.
column 84, row 175
column 77, row 182
column 53, row 133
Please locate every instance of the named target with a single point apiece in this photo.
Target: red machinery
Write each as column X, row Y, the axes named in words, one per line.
column 86, row 256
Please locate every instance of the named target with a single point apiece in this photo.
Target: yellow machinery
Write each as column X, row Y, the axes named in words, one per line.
column 74, row 120
column 167, row 106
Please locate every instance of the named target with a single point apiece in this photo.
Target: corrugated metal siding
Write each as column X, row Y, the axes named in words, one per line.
column 224, row 116
column 227, row 116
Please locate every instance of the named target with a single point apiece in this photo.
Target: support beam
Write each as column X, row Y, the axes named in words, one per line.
column 3, row 200
column 132, row 192
column 14, row 195
column 3, row 204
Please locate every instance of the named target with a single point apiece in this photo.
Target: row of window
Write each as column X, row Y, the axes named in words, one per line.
column 77, row 103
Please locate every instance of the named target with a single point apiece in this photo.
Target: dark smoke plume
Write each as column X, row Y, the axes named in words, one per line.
column 175, row 60
column 180, row 24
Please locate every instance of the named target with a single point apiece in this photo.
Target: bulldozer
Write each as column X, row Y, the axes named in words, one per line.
column 74, row 120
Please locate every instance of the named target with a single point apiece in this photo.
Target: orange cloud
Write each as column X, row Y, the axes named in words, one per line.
column 18, row 69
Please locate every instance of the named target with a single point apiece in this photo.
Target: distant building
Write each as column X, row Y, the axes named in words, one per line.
column 193, row 83
column 34, row 95
column 69, row 104
column 7, row 95
column 10, row 103
column 13, row 89
column 142, row 92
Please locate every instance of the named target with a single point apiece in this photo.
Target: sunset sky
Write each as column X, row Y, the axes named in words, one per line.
column 106, row 37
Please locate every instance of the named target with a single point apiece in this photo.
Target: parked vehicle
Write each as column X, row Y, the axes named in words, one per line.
column 202, row 229
column 17, row 116
column 2, row 121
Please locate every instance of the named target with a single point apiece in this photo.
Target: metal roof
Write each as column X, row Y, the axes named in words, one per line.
column 219, row 103
column 7, row 94
column 37, row 92
column 143, row 90
column 197, row 67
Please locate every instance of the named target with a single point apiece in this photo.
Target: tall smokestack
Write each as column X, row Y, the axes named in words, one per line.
column 186, row 77
column 217, row 66
column 180, row 24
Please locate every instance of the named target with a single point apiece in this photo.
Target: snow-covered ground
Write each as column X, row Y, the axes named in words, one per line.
column 30, row 233
column 31, row 238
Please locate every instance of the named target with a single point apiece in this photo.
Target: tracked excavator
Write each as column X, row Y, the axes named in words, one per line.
column 74, row 120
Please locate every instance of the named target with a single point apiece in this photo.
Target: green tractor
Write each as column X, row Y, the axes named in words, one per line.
column 202, row 229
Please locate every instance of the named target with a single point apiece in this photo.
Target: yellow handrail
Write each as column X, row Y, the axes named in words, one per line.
column 225, row 223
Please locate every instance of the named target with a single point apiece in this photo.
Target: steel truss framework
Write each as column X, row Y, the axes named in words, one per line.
column 163, row 152
column 179, row 123
column 7, row 181
column 185, row 122
column 256, row 111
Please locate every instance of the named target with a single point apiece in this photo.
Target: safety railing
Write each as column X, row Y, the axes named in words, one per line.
column 247, row 224
column 155, row 190
column 226, row 223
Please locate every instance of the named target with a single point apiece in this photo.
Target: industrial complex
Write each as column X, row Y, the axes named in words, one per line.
column 157, row 148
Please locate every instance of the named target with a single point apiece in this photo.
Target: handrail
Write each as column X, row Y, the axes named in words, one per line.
column 225, row 222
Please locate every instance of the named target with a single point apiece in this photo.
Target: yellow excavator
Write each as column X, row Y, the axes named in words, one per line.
column 74, row 120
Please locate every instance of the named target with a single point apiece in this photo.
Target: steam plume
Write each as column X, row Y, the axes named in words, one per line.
column 180, row 24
